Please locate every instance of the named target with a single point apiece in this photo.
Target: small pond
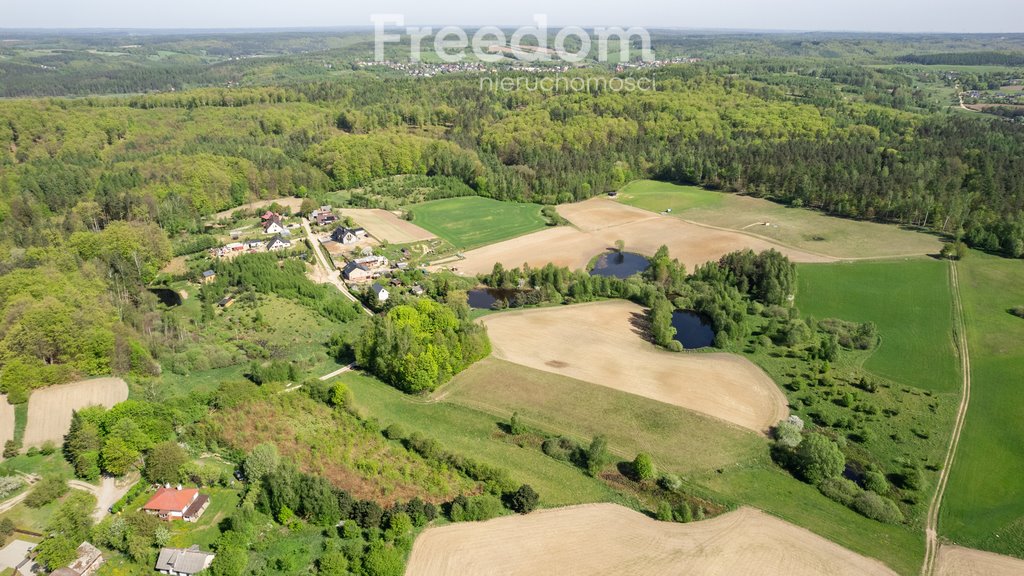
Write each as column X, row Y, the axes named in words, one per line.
column 485, row 298
column 167, row 297
column 619, row 264
column 693, row 330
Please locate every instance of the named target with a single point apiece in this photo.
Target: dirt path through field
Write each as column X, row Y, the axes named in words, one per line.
column 603, row 343
column 960, row 331
column 50, row 409
column 606, row 539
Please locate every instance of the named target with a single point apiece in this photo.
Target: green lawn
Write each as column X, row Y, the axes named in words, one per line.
column 476, row 434
column 471, row 221
column 909, row 301
column 662, row 196
column 205, row 531
column 983, row 505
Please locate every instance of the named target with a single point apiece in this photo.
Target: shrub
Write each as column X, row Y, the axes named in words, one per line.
column 840, row 489
column 561, row 448
column 877, row 508
column 664, row 512
column 8, row 485
column 524, row 500
column 515, row 425
column 788, row 434
column 394, row 432
column 670, row 482
column 48, row 448
column 643, row 467
column 1017, row 311
column 875, row 481
column 46, row 491
column 11, row 449
column 819, row 458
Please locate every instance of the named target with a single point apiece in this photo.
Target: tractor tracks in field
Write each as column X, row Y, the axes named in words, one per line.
column 960, row 340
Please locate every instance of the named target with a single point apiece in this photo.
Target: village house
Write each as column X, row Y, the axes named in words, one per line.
column 273, row 227
column 347, row 236
column 380, row 292
column 177, row 504
column 183, row 561
column 208, row 276
column 226, row 302
column 355, row 272
column 417, row 290
column 278, row 243
column 87, row 562
column 323, row 216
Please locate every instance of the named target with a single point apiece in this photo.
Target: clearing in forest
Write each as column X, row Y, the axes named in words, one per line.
column 599, row 222
column 50, row 408
column 386, row 226
column 608, row 539
column 603, row 343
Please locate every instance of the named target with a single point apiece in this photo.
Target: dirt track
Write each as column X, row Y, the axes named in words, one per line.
column 957, row 561
column 49, row 409
column 384, row 225
column 599, row 222
column 598, row 343
column 606, row 539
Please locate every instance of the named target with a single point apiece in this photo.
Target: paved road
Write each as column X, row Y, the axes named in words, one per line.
column 960, row 337
column 326, row 274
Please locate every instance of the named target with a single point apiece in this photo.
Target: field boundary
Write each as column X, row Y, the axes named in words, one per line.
column 960, row 341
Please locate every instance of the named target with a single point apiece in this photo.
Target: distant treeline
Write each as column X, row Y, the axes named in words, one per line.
column 966, row 59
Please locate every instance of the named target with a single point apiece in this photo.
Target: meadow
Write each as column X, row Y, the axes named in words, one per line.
column 665, row 196
column 982, row 506
column 909, row 302
column 471, row 221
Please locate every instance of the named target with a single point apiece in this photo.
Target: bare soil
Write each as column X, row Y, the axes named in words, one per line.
column 6, row 420
column 387, row 226
column 604, row 343
column 49, row 409
column 606, row 539
column 598, row 223
column 957, row 561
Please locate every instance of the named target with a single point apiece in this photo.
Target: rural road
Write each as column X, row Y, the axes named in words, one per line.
column 107, row 493
column 960, row 338
column 341, row 370
column 12, row 502
column 332, row 277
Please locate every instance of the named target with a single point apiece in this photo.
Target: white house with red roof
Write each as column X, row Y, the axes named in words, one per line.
column 177, row 504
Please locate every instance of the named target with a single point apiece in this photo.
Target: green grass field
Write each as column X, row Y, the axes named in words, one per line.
column 909, row 301
column 476, row 434
column 662, row 196
column 471, row 221
column 983, row 506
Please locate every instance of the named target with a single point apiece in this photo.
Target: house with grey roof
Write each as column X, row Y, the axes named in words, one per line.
column 183, row 561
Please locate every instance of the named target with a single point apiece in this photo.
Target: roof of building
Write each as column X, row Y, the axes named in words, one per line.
column 377, row 288
column 209, row 273
column 277, row 239
column 197, row 505
column 183, row 560
column 167, row 499
column 87, row 557
column 353, row 266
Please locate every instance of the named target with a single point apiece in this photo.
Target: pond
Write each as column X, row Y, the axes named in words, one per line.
column 619, row 264
column 167, row 297
column 693, row 330
column 484, row 298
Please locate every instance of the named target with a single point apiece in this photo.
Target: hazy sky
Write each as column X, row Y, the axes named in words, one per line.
column 860, row 15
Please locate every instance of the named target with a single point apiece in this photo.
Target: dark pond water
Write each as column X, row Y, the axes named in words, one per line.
column 692, row 329
column 484, row 298
column 167, row 297
column 619, row 264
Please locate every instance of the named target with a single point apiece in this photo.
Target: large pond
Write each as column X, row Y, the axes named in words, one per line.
column 485, row 298
column 619, row 264
column 167, row 297
column 693, row 330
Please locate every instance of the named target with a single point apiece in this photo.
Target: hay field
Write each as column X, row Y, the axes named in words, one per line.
column 957, row 561
column 599, row 222
column 386, row 226
column 605, row 539
column 6, row 420
column 598, row 343
column 49, row 409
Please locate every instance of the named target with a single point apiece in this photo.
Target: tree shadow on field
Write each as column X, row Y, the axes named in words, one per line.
column 641, row 326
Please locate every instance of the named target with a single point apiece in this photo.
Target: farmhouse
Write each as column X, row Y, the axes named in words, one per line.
column 322, row 216
column 87, row 563
column 372, row 262
column 273, row 227
column 380, row 292
column 208, row 276
column 177, row 503
column 278, row 243
column 183, row 561
column 347, row 236
column 355, row 272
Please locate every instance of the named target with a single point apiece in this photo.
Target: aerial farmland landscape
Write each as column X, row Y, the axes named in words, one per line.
column 448, row 289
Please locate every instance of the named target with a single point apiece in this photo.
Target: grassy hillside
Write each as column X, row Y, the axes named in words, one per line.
column 910, row 303
column 983, row 505
column 472, row 221
column 662, row 196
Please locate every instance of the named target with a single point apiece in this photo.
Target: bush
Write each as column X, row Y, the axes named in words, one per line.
column 524, row 500
column 670, row 482
column 819, row 458
column 877, row 508
column 515, row 425
column 664, row 512
column 875, row 481
column 1017, row 311
column 394, row 432
column 561, row 448
column 48, row 448
column 788, row 434
column 46, row 491
column 840, row 489
column 643, row 467
column 11, row 449
column 476, row 508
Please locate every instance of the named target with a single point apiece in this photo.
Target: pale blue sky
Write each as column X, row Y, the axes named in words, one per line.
column 860, row 15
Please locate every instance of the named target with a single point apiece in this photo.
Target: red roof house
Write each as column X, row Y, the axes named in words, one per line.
column 177, row 503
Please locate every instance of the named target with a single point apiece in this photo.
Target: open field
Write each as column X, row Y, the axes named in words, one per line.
column 609, row 539
column 6, row 420
column 599, row 222
column 797, row 227
column 909, row 301
column 50, row 409
column 679, row 440
column 957, row 561
column 386, row 226
column 473, row 221
column 599, row 343
column 983, row 507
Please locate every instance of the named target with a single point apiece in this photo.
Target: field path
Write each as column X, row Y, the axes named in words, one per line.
column 326, row 275
column 608, row 539
column 960, row 338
